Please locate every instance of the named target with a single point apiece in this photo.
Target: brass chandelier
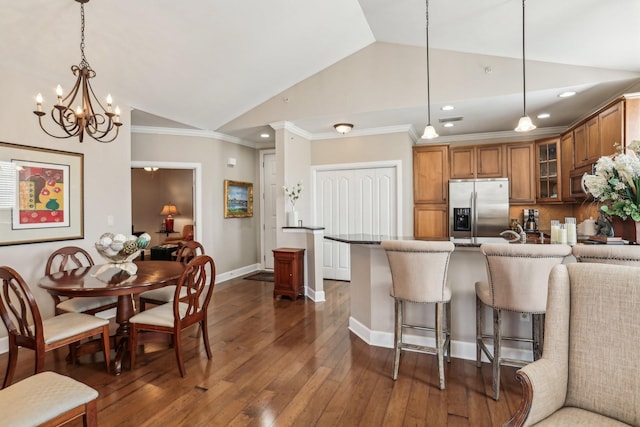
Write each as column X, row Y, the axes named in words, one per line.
column 101, row 125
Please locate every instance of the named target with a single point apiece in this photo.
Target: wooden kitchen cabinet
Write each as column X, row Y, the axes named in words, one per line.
column 430, row 190
column 482, row 161
column 566, row 165
column 288, row 277
column 611, row 128
column 548, row 170
column 521, row 173
column 430, row 174
column 430, row 221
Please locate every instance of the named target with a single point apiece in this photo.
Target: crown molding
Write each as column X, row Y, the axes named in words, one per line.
column 196, row 133
column 497, row 136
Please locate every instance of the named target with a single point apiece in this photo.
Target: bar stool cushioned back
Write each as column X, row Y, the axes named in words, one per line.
column 419, row 275
column 518, row 281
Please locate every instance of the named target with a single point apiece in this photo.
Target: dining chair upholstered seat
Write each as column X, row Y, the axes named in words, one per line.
column 47, row 399
column 608, row 254
column 68, row 258
column 196, row 284
column 518, row 279
column 419, row 275
column 164, row 295
column 589, row 373
column 27, row 329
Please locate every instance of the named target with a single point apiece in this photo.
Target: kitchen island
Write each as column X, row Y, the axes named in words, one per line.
column 372, row 313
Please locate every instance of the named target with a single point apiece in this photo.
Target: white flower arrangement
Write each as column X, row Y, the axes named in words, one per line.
column 293, row 193
column 616, row 182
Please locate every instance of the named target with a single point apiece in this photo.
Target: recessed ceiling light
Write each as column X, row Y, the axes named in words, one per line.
column 567, row 94
column 544, row 115
column 448, row 125
column 447, row 108
column 264, row 135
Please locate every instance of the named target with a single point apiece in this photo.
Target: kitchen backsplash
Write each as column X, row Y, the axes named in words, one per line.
column 559, row 212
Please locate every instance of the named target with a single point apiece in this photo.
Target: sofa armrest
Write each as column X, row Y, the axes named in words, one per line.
column 544, row 389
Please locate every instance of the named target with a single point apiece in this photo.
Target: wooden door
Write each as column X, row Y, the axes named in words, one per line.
column 566, row 162
column 462, row 162
column 520, row 171
column 611, row 129
column 489, row 161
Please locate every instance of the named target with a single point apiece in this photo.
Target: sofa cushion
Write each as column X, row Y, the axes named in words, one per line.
column 569, row 416
column 604, row 374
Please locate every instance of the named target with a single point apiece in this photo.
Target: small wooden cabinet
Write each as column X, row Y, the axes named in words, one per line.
column 482, row 161
column 288, row 265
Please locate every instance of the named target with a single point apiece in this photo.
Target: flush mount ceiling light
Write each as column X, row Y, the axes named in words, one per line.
column 544, row 115
column 447, row 108
column 429, row 131
column 264, row 135
column 343, row 127
column 524, row 124
column 78, row 119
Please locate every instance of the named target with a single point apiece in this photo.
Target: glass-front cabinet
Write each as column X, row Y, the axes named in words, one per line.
column 548, row 170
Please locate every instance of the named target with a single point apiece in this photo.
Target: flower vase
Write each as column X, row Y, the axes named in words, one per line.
column 292, row 218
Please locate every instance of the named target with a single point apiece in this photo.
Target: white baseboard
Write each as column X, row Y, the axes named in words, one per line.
column 459, row 349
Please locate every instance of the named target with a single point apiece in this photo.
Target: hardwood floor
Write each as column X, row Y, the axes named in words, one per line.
column 281, row 363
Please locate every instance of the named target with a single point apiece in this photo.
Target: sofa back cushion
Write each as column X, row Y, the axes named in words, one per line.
column 604, row 340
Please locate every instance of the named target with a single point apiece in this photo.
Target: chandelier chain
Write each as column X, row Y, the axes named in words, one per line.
column 83, row 58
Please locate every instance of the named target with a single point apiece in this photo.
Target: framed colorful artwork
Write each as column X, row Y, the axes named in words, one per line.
column 238, row 199
column 41, row 195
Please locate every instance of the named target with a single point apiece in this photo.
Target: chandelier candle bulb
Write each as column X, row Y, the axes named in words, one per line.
column 39, row 102
column 59, row 94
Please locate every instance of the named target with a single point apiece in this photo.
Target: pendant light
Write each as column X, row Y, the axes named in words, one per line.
column 429, row 131
column 524, row 124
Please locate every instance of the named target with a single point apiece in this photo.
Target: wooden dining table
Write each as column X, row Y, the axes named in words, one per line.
column 83, row 282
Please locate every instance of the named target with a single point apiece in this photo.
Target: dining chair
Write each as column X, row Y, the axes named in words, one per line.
column 68, row 258
column 27, row 329
column 196, row 283
column 185, row 253
column 419, row 276
column 518, row 282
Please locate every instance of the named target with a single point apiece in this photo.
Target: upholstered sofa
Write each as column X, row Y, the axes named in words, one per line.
column 589, row 373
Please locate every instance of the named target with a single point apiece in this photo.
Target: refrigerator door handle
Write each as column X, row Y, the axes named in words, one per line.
column 474, row 209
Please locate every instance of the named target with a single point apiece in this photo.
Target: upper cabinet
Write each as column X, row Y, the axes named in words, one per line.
column 521, row 172
column 430, row 174
column 566, row 164
column 482, row 161
column 548, row 170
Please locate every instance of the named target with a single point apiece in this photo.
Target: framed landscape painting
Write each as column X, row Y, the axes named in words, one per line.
column 41, row 195
column 238, row 199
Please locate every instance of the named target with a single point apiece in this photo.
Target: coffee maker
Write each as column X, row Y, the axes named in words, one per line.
column 530, row 219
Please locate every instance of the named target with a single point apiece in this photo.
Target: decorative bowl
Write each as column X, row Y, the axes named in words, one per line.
column 119, row 250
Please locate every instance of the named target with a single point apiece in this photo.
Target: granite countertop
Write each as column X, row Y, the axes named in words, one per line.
column 375, row 239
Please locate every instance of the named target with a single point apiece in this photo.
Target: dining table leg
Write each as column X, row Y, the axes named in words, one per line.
column 124, row 311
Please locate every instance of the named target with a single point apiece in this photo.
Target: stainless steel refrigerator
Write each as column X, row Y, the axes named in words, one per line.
column 478, row 207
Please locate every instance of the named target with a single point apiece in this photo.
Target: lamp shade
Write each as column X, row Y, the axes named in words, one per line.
column 169, row 210
column 525, row 124
column 429, row 132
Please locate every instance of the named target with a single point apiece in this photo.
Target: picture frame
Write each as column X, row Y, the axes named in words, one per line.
column 238, row 199
column 41, row 195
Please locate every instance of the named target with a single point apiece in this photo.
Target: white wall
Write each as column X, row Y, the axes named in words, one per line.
column 107, row 176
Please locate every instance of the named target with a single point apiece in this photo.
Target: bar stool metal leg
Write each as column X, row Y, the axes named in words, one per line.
column 397, row 337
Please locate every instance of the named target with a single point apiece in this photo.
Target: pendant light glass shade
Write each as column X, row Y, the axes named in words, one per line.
column 525, row 124
column 429, row 132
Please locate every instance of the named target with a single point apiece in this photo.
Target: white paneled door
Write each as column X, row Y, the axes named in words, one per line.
column 354, row 201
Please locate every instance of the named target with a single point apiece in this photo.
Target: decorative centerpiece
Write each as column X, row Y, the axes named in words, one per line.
column 616, row 183
column 293, row 193
column 120, row 251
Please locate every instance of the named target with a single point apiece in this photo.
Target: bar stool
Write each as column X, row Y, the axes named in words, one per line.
column 419, row 275
column 518, row 281
column 608, row 254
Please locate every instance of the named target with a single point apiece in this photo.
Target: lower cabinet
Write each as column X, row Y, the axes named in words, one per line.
column 430, row 221
column 288, row 277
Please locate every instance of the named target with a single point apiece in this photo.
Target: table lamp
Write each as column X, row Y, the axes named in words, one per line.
column 169, row 210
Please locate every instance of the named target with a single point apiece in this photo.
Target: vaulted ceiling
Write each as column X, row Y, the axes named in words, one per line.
column 237, row 66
